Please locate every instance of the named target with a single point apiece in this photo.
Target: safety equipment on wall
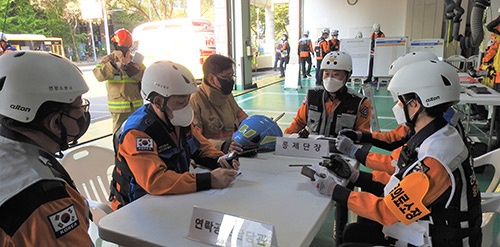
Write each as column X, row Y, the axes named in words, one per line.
column 306, row 32
column 3, row 37
column 167, row 78
column 325, row 31
column 122, row 37
column 50, row 78
column 409, row 58
column 335, row 32
column 434, row 82
column 259, row 130
column 376, row 27
column 337, row 60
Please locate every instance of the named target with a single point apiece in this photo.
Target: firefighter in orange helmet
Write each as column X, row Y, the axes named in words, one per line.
column 123, row 78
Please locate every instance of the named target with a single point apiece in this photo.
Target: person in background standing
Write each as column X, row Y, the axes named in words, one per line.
column 5, row 46
column 321, row 48
column 334, row 42
column 277, row 55
column 285, row 52
column 305, row 53
column 123, row 78
column 373, row 36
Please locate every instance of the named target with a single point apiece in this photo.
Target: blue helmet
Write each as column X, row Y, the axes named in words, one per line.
column 260, row 130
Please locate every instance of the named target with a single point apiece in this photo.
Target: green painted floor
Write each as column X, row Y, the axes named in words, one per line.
column 274, row 99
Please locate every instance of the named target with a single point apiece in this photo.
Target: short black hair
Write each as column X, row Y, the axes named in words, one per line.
column 215, row 64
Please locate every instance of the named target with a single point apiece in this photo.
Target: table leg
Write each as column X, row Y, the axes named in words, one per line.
column 492, row 126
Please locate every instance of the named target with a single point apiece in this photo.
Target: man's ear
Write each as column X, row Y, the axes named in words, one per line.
column 158, row 101
column 54, row 122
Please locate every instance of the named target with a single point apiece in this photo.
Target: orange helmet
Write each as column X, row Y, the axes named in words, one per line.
column 122, row 37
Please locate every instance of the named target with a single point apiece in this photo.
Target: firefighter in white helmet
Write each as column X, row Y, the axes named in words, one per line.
column 156, row 144
column 42, row 112
column 431, row 197
column 333, row 107
column 321, row 48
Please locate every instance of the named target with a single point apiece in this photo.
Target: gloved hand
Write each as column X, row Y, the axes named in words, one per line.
column 341, row 168
column 346, row 146
column 325, row 184
column 130, row 69
column 353, row 135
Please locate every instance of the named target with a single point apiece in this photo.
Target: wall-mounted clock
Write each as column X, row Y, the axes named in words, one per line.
column 352, row 2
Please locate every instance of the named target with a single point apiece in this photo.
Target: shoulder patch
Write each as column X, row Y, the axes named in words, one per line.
column 144, row 144
column 364, row 112
column 64, row 221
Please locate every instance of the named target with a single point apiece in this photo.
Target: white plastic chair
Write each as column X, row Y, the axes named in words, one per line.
column 491, row 197
column 90, row 168
column 472, row 62
column 457, row 61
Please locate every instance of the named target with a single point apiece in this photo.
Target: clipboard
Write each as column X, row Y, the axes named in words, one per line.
column 138, row 58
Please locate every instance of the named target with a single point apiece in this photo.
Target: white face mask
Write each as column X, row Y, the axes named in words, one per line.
column 332, row 85
column 399, row 113
column 182, row 117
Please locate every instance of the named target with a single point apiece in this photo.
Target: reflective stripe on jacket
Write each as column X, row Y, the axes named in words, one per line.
column 123, row 91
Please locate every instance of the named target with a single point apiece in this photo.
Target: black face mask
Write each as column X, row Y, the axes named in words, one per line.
column 83, row 123
column 226, row 85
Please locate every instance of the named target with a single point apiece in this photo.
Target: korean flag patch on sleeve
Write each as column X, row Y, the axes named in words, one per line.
column 144, row 144
column 64, row 221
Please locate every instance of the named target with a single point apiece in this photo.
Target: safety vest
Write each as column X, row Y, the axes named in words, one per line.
column 285, row 49
column 318, row 50
column 456, row 214
column 373, row 37
column 343, row 116
column 175, row 156
column 334, row 44
column 304, row 47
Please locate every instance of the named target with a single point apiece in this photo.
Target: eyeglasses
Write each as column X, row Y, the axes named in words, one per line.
column 233, row 77
column 85, row 106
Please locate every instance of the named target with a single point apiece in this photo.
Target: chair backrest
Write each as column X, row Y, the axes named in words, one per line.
column 91, row 167
column 491, row 197
column 472, row 62
column 457, row 61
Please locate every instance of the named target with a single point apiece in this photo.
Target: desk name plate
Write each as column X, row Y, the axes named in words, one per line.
column 302, row 147
column 220, row 229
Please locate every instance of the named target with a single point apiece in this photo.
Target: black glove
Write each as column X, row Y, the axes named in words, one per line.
column 304, row 133
column 353, row 135
column 130, row 69
column 338, row 165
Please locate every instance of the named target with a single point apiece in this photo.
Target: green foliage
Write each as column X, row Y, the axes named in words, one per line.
column 280, row 19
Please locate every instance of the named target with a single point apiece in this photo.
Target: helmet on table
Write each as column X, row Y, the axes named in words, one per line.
column 260, row 130
column 31, row 78
column 122, row 37
column 167, row 78
column 337, row 60
column 434, row 82
column 410, row 58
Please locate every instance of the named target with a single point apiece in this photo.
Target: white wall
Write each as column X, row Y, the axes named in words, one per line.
column 337, row 14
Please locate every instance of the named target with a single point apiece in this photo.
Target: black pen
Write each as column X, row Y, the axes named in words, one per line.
column 291, row 165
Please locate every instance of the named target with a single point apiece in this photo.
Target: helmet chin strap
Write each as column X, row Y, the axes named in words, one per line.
column 61, row 141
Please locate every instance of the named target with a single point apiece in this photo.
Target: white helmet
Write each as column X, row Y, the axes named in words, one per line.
column 335, row 32
column 306, row 32
column 30, row 78
column 3, row 37
column 409, row 58
column 337, row 60
column 325, row 31
column 167, row 78
column 435, row 82
column 376, row 27
column 359, row 35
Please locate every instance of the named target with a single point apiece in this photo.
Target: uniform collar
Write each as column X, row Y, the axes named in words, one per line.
column 214, row 96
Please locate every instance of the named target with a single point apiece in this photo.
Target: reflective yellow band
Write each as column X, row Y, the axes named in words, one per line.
column 125, row 104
